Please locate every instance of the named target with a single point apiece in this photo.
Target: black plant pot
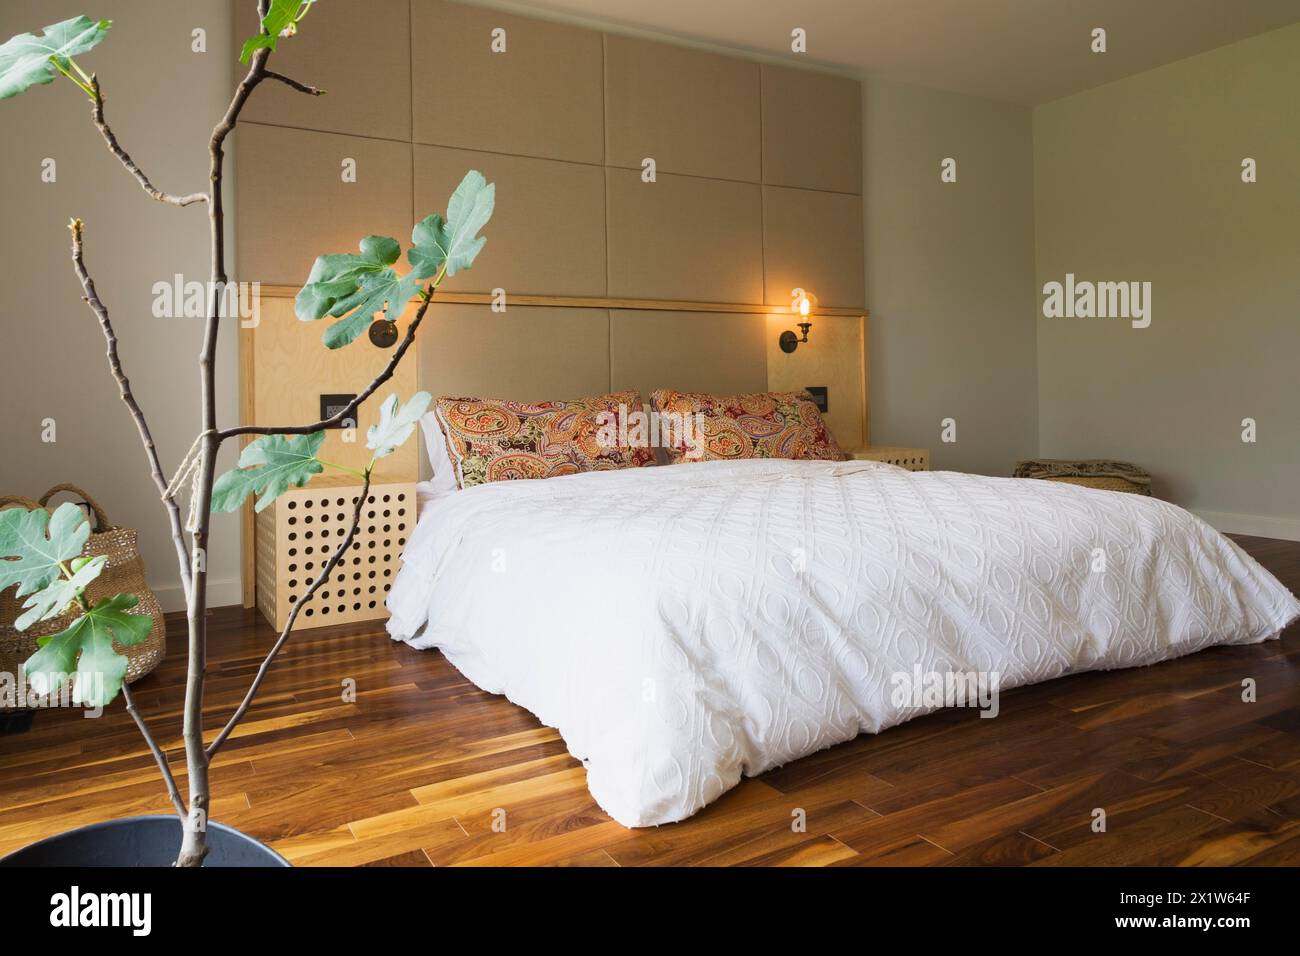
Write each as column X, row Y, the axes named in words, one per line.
column 141, row 841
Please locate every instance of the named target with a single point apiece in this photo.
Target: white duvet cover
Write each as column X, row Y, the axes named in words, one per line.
column 681, row 626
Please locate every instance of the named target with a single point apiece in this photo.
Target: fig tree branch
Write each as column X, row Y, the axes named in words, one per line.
column 172, row 790
column 194, row 839
column 289, row 81
column 349, row 411
column 293, row 616
column 97, row 111
column 91, row 297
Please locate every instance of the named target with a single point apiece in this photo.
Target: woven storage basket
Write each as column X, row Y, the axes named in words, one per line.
column 123, row 574
column 1104, row 482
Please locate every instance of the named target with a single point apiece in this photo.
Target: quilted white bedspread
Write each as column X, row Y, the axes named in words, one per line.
column 681, row 626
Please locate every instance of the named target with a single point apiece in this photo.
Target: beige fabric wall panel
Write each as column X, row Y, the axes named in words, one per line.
column 723, row 353
column 832, row 357
column 293, row 204
column 813, row 240
column 541, row 97
column 367, row 95
column 693, row 112
column 812, row 130
column 547, row 235
column 292, row 368
column 684, row 238
column 525, row 354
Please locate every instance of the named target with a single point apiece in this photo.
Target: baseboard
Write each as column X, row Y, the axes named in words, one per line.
column 220, row 594
column 1263, row 526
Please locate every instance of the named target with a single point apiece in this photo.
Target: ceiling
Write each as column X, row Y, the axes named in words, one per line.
column 1023, row 51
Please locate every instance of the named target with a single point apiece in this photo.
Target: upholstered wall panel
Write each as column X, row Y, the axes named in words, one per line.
column 691, row 351
column 692, row 112
column 813, row 240
column 358, row 52
column 524, row 354
column 812, row 130
column 547, row 236
column 832, row 357
column 293, row 205
column 684, row 238
column 541, row 97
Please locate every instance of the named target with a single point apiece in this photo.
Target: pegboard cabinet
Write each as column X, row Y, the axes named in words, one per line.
column 299, row 532
column 913, row 459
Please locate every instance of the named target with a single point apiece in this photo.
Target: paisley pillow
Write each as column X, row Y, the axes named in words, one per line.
column 495, row 440
column 758, row 425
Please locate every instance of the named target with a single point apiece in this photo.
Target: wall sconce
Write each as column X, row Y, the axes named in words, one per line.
column 383, row 333
column 801, row 304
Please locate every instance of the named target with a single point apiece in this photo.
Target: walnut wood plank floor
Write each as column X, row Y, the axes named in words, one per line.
column 422, row 765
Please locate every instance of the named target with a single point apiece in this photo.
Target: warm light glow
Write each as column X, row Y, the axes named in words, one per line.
column 804, row 306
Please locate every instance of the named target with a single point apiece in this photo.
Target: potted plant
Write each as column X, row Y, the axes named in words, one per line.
column 41, row 554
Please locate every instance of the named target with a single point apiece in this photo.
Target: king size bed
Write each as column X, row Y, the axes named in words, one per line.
column 683, row 626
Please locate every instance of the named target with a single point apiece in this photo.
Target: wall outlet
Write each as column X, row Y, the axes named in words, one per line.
column 331, row 405
column 820, row 397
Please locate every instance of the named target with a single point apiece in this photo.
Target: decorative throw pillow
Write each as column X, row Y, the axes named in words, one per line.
column 493, row 440
column 759, row 425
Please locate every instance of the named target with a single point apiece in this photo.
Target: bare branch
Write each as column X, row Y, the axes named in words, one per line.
column 172, row 790
column 321, row 578
column 300, row 87
column 101, row 124
column 348, row 412
column 92, row 299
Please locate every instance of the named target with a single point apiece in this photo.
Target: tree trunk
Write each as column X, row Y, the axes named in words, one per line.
column 194, row 842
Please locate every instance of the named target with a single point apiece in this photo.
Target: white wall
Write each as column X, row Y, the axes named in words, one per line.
column 950, row 280
column 1141, row 180
column 162, row 100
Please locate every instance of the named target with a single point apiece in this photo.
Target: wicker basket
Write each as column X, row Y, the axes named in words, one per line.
column 1104, row 482
column 123, row 574
column 1106, row 474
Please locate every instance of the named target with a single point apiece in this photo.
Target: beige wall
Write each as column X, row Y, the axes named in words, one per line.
column 950, row 282
column 1141, row 180
column 162, row 100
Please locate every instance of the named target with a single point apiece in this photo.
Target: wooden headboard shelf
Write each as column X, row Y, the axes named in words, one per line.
column 596, row 302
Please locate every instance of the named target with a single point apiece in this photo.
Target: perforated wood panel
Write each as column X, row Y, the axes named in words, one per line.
column 297, row 535
column 913, row 459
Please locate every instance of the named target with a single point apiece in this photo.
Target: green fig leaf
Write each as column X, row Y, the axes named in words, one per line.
column 27, row 60
column 281, row 20
column 268, row 467
column 429, row 242
column 87, row 646
column 61, row 592
column 455, row 242
column 395, row 425
column 355, row 287
column 33, row 544
column 377, row 292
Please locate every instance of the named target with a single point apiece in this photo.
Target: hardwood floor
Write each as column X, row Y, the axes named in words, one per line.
column 417, row 769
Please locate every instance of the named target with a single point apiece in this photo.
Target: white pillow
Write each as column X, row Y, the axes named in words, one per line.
column 435, row 446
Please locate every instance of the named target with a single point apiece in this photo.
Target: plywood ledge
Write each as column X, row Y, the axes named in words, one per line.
column 598, row 302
